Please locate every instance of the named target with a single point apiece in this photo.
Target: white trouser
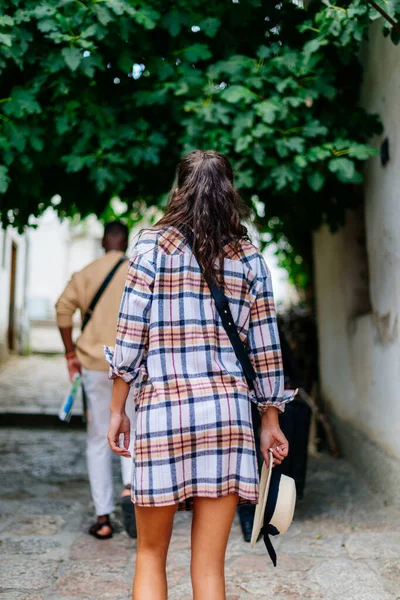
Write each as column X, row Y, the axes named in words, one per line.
column 98, row 389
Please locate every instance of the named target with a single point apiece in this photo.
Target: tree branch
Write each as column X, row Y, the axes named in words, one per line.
column 385, row 15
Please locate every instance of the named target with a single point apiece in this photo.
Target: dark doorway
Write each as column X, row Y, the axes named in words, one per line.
column 12, row 334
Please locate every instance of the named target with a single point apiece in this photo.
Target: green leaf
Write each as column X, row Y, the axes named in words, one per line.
column 37, row 143
column 72, row 57
column 288, row 82
column 261, row 130
column 242, row 123
column 314, row 129
column 6, row 39
column 362, row 151
column 144, row 98
column 75, row 163
column 4, row 179
column 283, row 176
column 344, row 168
column 237, row 93
column 242, row 143
column 316, row 181
column 263, row 52
column 47, row 25
column 312, row 46
column 282, row 149
column 259, row 154
column 293, row 101
column 300, row 161
column 90, row 31
column 17, row 137
column 244, row 179
column 172, row 21
column 6, row 21
column 210, row 26
column 181, row 88
column 44, row 10
column 62, row 124
column 119, row 7
column 147, row 16
column 197, row 52
column 88, row 66
column 165, row 70
column 267, row 111
column 318, row 153
column 103, row 14
column 22, row 102
column 295, row 144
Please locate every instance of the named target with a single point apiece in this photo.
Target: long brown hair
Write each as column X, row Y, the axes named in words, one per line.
column 205, row 200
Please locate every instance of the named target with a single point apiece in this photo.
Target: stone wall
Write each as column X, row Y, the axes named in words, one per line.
column 358, row 314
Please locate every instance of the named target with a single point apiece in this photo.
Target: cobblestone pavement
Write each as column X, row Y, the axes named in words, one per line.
column 34, row 384
column 344, row 543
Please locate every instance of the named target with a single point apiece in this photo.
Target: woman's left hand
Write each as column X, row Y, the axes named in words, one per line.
column 272, row 438
column 119, row 425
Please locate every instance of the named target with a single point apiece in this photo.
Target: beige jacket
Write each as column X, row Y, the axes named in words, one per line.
column 101, row 329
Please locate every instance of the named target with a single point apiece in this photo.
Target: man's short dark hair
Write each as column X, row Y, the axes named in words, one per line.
column 116, row 228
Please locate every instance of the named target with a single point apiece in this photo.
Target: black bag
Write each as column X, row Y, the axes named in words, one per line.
column 295, row 423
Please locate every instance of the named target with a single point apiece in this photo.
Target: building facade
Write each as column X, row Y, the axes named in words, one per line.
column 35, row 267
column 14, row 326
column 357, row 274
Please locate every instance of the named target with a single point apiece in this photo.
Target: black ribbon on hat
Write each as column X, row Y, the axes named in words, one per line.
column 269, row 529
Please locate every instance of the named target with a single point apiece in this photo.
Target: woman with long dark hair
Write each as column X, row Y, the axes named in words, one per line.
column 194, row 445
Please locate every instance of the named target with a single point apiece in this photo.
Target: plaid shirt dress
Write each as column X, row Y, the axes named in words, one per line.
column 194, row 434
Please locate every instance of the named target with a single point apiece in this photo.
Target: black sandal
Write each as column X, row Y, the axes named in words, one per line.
column 94, row 530
column 128, row 513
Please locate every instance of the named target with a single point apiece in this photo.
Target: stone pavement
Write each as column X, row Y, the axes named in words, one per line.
column 344, row 543
column 35, row 384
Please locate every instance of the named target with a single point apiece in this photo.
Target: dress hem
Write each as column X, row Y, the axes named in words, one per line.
column 185, row 503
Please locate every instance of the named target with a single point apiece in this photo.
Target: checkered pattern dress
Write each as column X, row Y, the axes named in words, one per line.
column 194, row 434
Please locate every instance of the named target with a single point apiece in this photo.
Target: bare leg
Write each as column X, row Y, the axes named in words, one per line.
column 154, row 529
column 212, row 522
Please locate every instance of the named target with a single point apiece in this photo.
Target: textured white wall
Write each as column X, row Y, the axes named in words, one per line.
column 360, row 373
column 7, row 237
column 56, row 250
column 48, row 264
column 360, row 356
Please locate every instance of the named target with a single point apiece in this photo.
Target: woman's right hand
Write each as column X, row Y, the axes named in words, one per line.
column 119, row 425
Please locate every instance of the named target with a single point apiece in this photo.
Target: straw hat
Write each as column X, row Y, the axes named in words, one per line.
column 275, row 508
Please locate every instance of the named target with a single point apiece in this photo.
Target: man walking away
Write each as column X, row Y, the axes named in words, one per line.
column 96, row 291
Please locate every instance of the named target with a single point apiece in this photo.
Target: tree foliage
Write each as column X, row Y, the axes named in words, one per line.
column 101, row 97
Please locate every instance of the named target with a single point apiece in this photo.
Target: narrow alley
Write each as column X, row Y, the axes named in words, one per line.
column 343, row 545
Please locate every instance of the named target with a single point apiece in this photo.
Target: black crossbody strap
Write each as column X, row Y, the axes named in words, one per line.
column 100, row 292
column 224, row 311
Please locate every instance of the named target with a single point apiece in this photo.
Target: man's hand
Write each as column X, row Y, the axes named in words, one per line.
column 119, row 425
column 73, row 364
column 74, row 367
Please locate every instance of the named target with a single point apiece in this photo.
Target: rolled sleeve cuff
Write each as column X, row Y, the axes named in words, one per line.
column 64, row 321
column 279, row 403
column 118, row 371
